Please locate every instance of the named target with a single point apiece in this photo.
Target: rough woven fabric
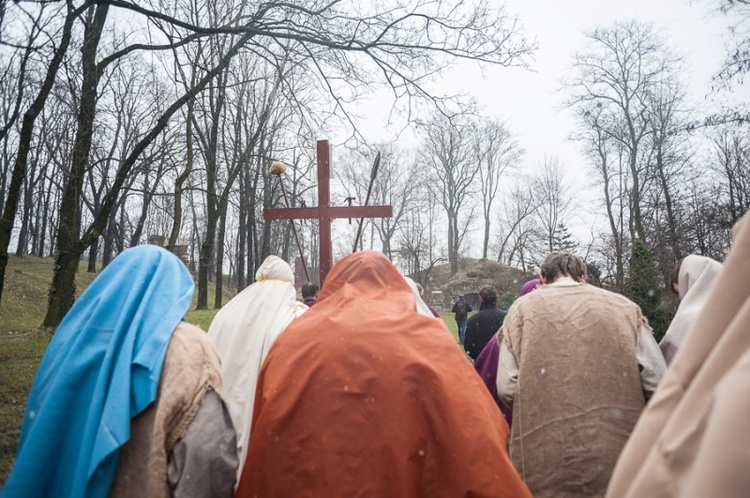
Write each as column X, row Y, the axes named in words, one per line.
column 579, row 393
column 696, row 279
column 363, row 396
column 191, row 368
column 244, row 331
column 692, row 440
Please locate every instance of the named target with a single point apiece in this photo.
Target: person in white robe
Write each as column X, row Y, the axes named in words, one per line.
column 422, row 307
column 695, row 277
column 244, row 331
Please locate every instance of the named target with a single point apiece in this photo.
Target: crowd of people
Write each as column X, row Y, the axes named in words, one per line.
column 361, row 391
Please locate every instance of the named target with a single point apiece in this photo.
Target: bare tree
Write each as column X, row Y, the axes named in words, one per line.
column 395, row 185
column 24, row 142
column 614, row 78
column 403, row 46
column 242, row 153
column 555, row 202
column 609, row 164
column 69, row 245
column 737, row 63
column 669, row 160
column 447, row 152
column 732, row 163
column 419, row 234
column 516, row 225
column 496, row 150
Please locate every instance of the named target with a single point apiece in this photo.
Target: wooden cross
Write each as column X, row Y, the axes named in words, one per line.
column 324, row 212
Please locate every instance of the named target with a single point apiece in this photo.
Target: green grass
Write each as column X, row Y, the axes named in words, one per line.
column 20, row 355
column 201, row 318
column 27, row 282
column 450, row 322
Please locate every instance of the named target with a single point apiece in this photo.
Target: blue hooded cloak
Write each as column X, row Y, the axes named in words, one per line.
column 101, row 368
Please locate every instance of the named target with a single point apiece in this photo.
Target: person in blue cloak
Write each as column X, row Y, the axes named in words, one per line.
column 127, row 399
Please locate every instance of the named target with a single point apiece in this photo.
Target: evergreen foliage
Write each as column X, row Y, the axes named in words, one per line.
column 506, row 299
column 645, row 289
column 563, row 240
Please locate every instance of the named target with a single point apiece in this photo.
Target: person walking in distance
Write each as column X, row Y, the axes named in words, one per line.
column 461, row 308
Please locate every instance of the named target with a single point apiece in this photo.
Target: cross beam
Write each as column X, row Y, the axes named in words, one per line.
column 324, row 212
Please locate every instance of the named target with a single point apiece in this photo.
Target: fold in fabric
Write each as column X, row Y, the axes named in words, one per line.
column 696, row 279
column 692, row 439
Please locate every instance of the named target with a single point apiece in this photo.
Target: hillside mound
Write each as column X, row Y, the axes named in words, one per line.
column 472, row 275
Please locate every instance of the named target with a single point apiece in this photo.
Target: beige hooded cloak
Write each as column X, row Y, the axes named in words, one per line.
column 693, row 438
column 696, row 279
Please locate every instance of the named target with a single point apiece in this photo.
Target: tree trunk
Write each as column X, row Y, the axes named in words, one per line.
column 25, row 137
column 182, row 178
column 636, row 217
column 453, row 241
column 43, row 215
column 148, row 196
column 267, row 203
column 220, row 257
column 242, row 234
column 286, row 241
column 252, row 246
column 23, row 233
column 109, row 240
column 62, row 292
column 93, row 251
column 204, row 260
column 486, row 241
column 668, row 203
column 125, row 166
column 212, row 166
column 195, row 240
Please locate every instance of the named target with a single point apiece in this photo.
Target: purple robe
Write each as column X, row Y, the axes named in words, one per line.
column 489, row 359
column 486, row 367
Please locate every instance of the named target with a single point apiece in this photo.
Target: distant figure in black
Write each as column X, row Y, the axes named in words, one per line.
column 483, row 325
column 461, row 309
column 310, row 293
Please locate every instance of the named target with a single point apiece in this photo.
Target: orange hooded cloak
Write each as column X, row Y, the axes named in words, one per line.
column 362, row 396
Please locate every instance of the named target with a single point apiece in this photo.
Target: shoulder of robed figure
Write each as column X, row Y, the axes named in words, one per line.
column 191, row 336
column 614, row 297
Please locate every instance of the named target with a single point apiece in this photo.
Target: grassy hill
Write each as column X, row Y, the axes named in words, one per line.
column 27, row 282
column 472, row 275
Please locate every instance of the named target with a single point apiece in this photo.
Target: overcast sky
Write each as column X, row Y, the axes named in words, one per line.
column 530, row 101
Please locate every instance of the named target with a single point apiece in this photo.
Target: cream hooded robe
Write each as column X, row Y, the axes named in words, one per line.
column 696, row 279
column 244, row 331
column 693, row 439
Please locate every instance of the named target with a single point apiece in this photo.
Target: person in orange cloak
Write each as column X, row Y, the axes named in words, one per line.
column 363, row 396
